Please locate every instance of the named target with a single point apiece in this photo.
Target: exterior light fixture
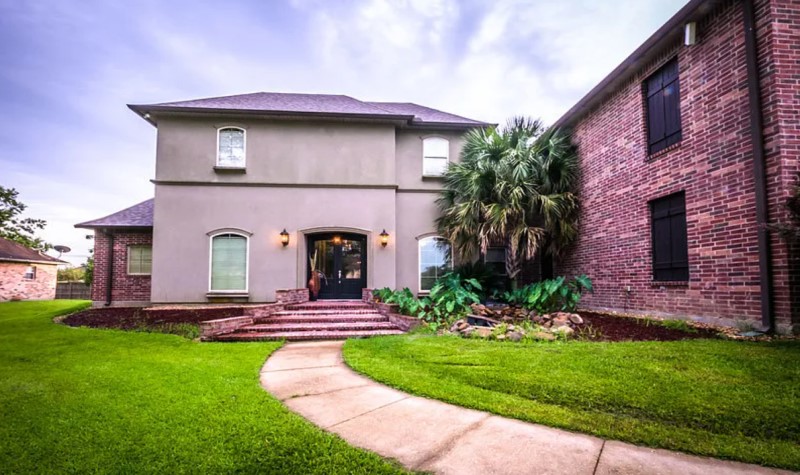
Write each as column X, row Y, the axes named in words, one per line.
column 337, row 240
column 384, row 238
column 284, row 238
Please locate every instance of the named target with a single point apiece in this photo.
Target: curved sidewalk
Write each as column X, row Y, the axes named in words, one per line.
column 422, row 434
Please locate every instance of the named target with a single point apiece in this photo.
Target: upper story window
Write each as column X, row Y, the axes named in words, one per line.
column 140, row 260
column 30, row 273
column 230, row 147
column 229, row 262
column 662, row 90
column 435, row 260
column 435, row 156
column 670, row 243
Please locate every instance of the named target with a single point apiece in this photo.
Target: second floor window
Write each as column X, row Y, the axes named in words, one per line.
column 662, row 91
column 435, row 156
column 230, row 147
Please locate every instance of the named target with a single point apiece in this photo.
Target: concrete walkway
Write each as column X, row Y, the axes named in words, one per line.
column 422, row 434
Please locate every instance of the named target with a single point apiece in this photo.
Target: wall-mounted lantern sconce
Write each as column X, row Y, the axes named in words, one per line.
column 384, row 238
column 337, row 240
column 284, row 238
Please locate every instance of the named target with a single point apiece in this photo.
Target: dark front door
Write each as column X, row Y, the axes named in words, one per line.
column 342, row 260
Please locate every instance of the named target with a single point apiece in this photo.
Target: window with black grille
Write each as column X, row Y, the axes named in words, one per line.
column 662, row 91
column 670, row 244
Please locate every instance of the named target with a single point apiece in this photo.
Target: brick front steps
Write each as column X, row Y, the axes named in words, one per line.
column 322, row 320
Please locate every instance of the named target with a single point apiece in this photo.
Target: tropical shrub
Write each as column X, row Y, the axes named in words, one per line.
column 551, row 295
column 449, row 299
column 484, row 275
column 381, row 295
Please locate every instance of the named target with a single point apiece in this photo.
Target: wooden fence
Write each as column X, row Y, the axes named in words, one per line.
column 73, row 290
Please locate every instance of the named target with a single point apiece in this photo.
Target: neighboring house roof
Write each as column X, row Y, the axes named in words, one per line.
column 137, row 216
column 312, row 105
column 666, row 36
column 15, row 252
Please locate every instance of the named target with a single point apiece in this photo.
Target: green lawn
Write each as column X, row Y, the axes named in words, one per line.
column 83, row 400
column 726, row 399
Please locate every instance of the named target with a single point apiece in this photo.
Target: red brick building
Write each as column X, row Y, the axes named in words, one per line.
column 26, row 274
column 678, row 145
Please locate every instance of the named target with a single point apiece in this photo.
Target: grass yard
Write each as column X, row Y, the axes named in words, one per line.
column 84, row 400
column 727, row 399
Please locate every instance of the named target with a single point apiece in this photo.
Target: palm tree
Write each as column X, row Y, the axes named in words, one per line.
column 513, row 185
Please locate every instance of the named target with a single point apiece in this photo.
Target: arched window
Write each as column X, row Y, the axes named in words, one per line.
column 435, row 156
column 230, row 147
column 435, row 260
column 229, row 263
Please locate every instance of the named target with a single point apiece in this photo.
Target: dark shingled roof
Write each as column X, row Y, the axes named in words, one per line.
column 425, row 114
column 137, row 216
column 12, row 251
column 319, row 105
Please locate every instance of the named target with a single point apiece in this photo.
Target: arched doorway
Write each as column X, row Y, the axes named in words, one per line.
column 341, row 258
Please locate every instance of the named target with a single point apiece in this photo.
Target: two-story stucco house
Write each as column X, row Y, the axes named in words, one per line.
column 250, row 188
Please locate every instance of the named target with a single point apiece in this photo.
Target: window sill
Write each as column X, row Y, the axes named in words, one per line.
column 220, row 169
column 433, row 177
column 662, row 152
column 669, row 283
column 135, row 274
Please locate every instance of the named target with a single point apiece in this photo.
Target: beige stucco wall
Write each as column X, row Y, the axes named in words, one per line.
column 416, row 215
column 370, row 167
column 184, row 215
column 279, row 152
column 409, row 157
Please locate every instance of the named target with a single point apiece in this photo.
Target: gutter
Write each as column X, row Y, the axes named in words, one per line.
column 110, row 276
column 759, row 165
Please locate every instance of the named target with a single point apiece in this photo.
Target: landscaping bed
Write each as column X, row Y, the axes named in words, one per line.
column 180, row 321
column 605, row 327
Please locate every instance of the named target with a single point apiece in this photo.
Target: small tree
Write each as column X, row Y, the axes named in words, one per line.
column 513, row 185
column 88, row 274
column 15, row 228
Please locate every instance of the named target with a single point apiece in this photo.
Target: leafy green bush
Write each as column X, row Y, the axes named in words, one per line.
column 381, row 295
column 449, row 299
column 489, row 281
column 551, row 295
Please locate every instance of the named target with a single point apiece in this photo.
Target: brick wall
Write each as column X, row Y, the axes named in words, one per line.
column 290, row 296
column 124, row 287
column 13, row 285
column 712, row 165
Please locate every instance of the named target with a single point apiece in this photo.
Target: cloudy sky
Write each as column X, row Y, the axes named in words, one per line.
column 68, row 68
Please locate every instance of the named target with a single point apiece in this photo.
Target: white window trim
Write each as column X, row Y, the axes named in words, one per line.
column 128, row 260
column 244, row 146
column 25, row 274
column 246, row 261
column 447, row 157
column 420, row 239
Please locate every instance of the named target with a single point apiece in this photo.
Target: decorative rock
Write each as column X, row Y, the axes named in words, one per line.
column 483, row 332
column 565, row 330
column 543, row 336
column 515, row 336
column 462, row 325
column 576, row 319
column 501, row 337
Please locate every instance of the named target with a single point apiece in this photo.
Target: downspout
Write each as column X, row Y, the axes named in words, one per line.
column 110, row 267
column 759, row 165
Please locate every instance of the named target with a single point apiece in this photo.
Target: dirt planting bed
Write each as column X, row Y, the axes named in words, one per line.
column 603, row 327
column 129, row 318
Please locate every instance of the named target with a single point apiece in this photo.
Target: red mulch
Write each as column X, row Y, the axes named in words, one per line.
column 600, row 327
column 127, row 318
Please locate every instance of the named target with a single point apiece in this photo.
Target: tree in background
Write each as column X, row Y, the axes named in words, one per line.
column 15, row 228
column 72, row 274
column 513, row 185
